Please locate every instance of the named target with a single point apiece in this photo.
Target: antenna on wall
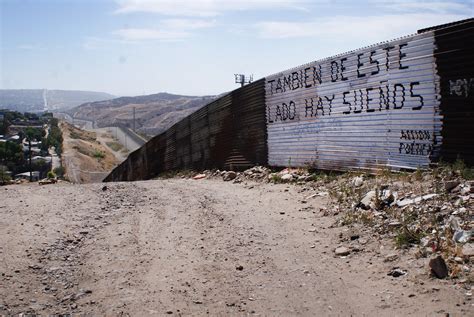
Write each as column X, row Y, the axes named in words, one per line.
column 242, row 79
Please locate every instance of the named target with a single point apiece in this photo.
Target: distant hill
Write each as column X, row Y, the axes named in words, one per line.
column 34, row 100
column 154, row 113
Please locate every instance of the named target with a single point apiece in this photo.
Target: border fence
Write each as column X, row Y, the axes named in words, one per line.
column 400, row 104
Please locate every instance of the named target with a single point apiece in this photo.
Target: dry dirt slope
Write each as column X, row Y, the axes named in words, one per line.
column 185, row 247
column 85, row 158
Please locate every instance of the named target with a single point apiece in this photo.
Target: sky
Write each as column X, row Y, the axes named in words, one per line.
column 191, row 47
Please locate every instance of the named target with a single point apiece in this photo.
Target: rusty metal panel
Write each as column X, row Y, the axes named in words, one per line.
column 370, row 108
column 220, row 130
column 249, row 146
column 455, row 63
column 200, row 155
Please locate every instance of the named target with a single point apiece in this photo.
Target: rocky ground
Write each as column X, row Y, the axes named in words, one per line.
column 252, row 243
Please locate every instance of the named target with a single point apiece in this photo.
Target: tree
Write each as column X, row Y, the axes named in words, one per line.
column 4, row 177
column 11, row 155
column 55, row 137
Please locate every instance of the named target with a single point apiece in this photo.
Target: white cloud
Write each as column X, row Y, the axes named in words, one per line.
column 371, row 28
column 168, row 30
column 150, row 34
column 425, row 6
column 93, row 42
column 204, row 8
column 187, row 24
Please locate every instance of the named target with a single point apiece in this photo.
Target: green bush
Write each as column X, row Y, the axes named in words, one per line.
column 59, row 171
column 99, row 154
column 51, row 175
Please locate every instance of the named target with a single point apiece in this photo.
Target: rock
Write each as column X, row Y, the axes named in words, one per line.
column 391, row 257
column 438, row 267
column 450, row 185
column 342, row 251
column 454, row 223
column 394, row 224
column 468, row 250
column 462, row 236
column 230, row 175
column 465, row 190
column 287, row 177
column 47, row 181
column 239, row 267
column 67, row 298
column 354, row 236
column 358, row 181
column 388, row 197
column 458, row 260
column 199, row 176
column 461, row 211
column 35, row 267
column 396, row 272
column 406, row 202
column 366, row 200
column 104, row 188
column 302, row 178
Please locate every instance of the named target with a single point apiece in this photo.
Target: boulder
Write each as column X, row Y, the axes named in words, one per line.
column 230, row 175
column 438, row 267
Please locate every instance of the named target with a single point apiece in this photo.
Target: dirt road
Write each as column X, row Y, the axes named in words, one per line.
column 205, row 247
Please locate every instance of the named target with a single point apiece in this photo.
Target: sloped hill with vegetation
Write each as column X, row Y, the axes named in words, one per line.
column 154, row 113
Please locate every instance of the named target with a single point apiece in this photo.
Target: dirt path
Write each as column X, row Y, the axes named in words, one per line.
column 207, row 247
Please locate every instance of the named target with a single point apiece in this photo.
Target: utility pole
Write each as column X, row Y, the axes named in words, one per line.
column 29, row 133
column 242, row 79
column 31, row 173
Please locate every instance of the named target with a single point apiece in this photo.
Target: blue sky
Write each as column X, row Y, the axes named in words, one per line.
column 193, row 47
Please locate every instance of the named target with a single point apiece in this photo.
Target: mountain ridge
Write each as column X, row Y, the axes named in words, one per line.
column 154, row 113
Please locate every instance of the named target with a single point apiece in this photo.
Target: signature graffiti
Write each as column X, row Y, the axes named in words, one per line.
column 461, row 87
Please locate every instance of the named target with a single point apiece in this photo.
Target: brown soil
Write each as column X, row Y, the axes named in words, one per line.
column 85, row 158
column 199, row 247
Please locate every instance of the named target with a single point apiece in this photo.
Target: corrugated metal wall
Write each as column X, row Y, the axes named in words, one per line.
column 369, row 108
column 229, row 133
column 455, row 65
column 399, row 104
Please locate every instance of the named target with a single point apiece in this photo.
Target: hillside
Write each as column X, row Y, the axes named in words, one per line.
column 85, row 158
column 154, row 113
column 33, row 100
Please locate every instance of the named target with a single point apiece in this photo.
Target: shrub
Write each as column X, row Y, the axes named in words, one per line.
column 59, row 171
column 98, row 154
